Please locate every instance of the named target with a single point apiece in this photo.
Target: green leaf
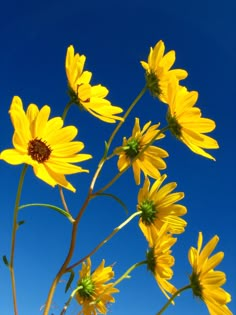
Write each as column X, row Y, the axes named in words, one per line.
column 20, row 223
column 57, row 209
column 71, row 278
column 5, row 260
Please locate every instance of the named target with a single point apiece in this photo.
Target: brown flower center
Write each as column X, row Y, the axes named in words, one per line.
column 39, row 150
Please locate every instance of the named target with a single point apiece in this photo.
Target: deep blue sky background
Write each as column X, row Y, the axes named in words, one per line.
column 115, row 36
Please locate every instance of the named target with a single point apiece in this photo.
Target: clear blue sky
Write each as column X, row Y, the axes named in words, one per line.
column 115, row 36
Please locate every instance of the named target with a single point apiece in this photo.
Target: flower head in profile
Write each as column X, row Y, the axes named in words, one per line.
column 90, row 98
column 186, row 122
column 158, row 72
column 151, row 160
column 158, row 206
column 44, row 144
column 94, row 292
column 205, row 281
column 160, row 260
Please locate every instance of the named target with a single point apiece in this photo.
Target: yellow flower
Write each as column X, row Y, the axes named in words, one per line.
column 95, row 292
column 205, row 281
column 44, row 144
column 185, row 121
column 158, row 206
column 159, row 259
column 90, row 98
column 150, row 161
column 158, row 71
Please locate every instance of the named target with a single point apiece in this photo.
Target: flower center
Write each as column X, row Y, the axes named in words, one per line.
column 75, row 99
column 39, row 150
column 87, row 287
column 151, row 262
column 132, row 148
column 174, row 126
column 195, row 284
column 153, row 83
column 149, row 211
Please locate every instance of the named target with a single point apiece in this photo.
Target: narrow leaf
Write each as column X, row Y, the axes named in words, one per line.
column 57, row 209
column 4, row 258
column 71, row 278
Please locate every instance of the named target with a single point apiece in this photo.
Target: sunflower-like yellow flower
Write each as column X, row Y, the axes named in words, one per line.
column 151, row 160
column 90, row 98
column 205, row 281
column 186, row 122
column 158, row 73
column 160, row 260
column 44, row 144
column 94, row 291
column 158, row 206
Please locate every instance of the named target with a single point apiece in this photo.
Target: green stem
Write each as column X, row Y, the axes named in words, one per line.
column 117, row 229
column 63, row 200
column 114, row 179
column 139, row 96
column 172, row 298
column 128, row 271
column 69, row 300
column 124, row 276
column 66, row 109
column 68, row 257
column 13, row 237
column 104, row 158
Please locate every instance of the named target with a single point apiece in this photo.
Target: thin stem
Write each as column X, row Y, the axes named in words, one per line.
column 69, row 300
column 66, row 109
column 117, row 229
column 142, row 92
column 68, row 257
column 128, row 271
column 117, row 176
column 172, row 298
column 124, row 276
column 63, row 200
column 104, row 158
column 13, row 237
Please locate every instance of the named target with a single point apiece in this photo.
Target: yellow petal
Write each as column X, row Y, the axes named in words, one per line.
column 63, row 135
column 32, row 112
column 168, row 60
column 13, row 157
column 208, row 249
column 61, row 167
column 41, row 121
column 136, row 170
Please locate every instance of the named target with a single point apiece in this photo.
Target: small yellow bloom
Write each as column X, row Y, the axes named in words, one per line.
column 90, row 98
column 158, row 72
column 205, row 281
column 44, row 144
column 159, row 259
column 95, row 292
column 185, row 120
column 150, row 161
column 158, row 206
